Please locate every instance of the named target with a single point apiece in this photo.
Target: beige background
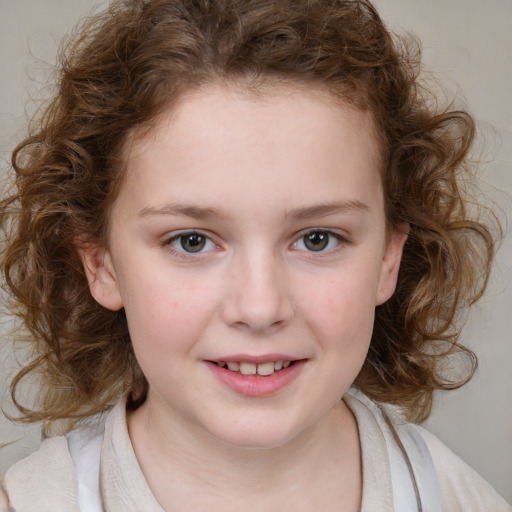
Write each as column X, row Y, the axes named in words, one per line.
column 468, row 44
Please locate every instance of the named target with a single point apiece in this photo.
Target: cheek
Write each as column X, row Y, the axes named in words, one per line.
column 341, row 310
column 167, row 312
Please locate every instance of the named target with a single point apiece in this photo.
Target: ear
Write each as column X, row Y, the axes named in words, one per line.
column 391, row 263
column 101, row 275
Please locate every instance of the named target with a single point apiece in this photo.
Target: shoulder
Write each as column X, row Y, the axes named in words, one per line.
column 44, row 481
column 462, row 488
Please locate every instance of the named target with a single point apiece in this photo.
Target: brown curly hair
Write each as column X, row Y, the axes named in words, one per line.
column 121, row 70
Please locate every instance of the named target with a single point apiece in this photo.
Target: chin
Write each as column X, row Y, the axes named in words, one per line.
column 257, row 442
column 257, row 435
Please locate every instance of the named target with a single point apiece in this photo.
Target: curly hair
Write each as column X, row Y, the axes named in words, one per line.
column 122, row 69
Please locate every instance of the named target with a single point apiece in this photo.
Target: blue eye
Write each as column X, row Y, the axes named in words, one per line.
column 317, row 241
column 191, row 243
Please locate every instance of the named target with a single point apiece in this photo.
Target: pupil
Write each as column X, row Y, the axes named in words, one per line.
column 193, row 242
column 316, row 241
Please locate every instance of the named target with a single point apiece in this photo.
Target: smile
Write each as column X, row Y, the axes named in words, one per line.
column 258, row 377
column 262, row 369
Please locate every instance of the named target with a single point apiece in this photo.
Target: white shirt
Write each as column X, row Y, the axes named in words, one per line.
column 46, row 481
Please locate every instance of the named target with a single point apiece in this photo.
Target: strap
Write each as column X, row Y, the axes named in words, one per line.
column 421, row 467
column 413, row 475
column 405, row 496
column 85, row 452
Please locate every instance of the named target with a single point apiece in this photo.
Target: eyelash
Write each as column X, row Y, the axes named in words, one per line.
column 331, row 235
column 182, row 236
column 168, row 242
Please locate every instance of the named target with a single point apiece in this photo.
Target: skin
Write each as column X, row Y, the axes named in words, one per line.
column 253, row 175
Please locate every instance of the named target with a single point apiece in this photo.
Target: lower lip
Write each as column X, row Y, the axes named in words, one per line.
column 257, row 385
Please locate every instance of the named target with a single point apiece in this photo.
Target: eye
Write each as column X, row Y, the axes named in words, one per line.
column 317, row 241
column 192, row 242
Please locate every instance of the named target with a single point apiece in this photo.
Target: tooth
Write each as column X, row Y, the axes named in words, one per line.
column 266, row 368
column 247, row 369
column 222, row 364
column 286, row 364
column 233, row 366
column 278, row 365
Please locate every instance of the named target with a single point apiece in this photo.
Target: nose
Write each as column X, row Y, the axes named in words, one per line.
column 257, row 298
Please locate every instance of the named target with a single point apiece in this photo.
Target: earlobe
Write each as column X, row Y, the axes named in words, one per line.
column 101, row 275
column 391, row 263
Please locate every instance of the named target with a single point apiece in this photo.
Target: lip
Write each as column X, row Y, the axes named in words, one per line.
column 256, row 359
column 256, row 385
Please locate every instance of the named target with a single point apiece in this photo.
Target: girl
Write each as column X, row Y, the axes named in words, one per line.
column 237, row 232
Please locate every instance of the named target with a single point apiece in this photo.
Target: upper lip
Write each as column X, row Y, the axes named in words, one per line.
column 246, row 358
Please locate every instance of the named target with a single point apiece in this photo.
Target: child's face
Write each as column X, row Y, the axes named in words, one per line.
column 249, row 230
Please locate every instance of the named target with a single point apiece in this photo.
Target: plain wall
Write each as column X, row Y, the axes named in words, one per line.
column 468, row 44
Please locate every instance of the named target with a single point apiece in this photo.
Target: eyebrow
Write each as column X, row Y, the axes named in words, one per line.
column 324, row 210
column 181, row 210
column 302, row 213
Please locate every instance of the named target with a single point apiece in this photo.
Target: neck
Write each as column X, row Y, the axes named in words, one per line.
column 318, row 469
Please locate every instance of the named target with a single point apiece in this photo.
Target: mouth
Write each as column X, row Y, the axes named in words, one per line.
column 259, row 376
column 261, row 369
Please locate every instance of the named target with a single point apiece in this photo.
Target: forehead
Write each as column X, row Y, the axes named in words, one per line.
column 312, row 107
column 220, row 141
